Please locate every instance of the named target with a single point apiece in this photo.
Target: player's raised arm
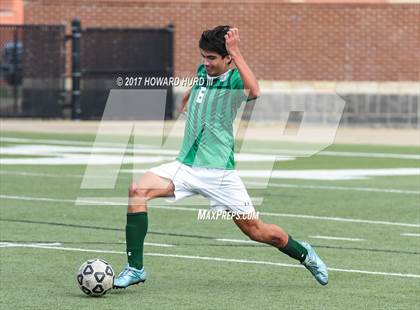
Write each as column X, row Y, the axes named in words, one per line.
column 247, row 76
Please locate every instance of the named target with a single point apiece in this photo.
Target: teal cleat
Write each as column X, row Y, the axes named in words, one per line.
column 130, row 276
column 315, row 264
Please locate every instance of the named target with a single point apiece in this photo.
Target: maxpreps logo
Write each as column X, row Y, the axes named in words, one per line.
column 211, row 215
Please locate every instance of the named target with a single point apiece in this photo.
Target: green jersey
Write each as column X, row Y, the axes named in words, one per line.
column 212, row 107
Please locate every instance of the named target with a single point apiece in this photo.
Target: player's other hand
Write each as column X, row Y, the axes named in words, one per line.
column 232, row 41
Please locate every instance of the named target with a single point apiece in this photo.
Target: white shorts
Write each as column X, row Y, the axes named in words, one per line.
column 223, row 188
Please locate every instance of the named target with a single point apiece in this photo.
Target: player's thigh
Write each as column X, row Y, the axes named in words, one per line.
column 233, row 199
column 226, row 191
column 151, row 185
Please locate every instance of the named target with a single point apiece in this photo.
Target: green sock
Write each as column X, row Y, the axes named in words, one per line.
column 135, row 232
column 295, row 250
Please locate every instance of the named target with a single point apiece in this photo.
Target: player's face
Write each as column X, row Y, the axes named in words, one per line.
column 215, row 63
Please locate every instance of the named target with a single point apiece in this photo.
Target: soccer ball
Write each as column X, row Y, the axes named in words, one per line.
column 95, row 277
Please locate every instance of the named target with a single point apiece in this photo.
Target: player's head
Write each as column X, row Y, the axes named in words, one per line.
column 213, row 50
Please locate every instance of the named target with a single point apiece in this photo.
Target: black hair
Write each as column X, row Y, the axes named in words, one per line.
column 214, row 40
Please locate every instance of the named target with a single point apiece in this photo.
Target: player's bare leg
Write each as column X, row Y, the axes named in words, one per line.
column 150, row 186
column 259, row 231
column 273, row 235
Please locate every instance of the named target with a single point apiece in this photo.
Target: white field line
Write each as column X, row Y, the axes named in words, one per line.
column 244, row 261
column 110, row 201
column 285, row 152
column 51, row 175
column 370, row 155
column 163, row 245
column 268, row 151
column 318, row 174
column 340, row 219
column 279, row 185
column 37, row 199
column 39, row 246
column 39, row 174
column 221, row 259
column 48, row 141
column 336, row 238
column 11, row 244
column 26, row 245
column 49, row 150
column 70, row 142
column 410, row 235
column 342, row 188
column 175, row 208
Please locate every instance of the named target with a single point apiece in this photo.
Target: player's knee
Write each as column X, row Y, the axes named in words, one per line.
column 135, row 191
column 132, row 189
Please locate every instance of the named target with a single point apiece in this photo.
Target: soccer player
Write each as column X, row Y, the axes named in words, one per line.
column 205, row 164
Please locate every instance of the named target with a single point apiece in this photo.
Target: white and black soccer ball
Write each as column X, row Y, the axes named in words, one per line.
column 95, row 277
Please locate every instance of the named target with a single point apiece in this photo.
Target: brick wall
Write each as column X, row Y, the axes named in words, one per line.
column 281, row 41
column 11, row 12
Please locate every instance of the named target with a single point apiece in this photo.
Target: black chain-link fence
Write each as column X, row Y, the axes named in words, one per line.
column 33, row 61
column 32, row 70
column 110, row 54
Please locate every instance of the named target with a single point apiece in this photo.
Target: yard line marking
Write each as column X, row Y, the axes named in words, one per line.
column 175, row 208
column 221, row 259
column 236, row 241
column 370, row 155
column 11, row 244
column 336, row 238
column 410, row 235
column 25, row 140
column 37, row 174
column 269, row 151
column 329, row 174
column 37, row 199
column 71, row 142
column 52, row 175
column 279, row 185
column 163, row 245
column 340, row 219
column 48, row 150
column 319, row 174
column 343, row 188
column 56, row 244
column 233, row 260
column 283, row 152
column 19, row 245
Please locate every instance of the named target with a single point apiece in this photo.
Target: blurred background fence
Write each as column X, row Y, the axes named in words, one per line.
column 33, row 67
column 32, row 70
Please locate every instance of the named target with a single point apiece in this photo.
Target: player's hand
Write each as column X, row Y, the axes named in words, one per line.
column 232, row 41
